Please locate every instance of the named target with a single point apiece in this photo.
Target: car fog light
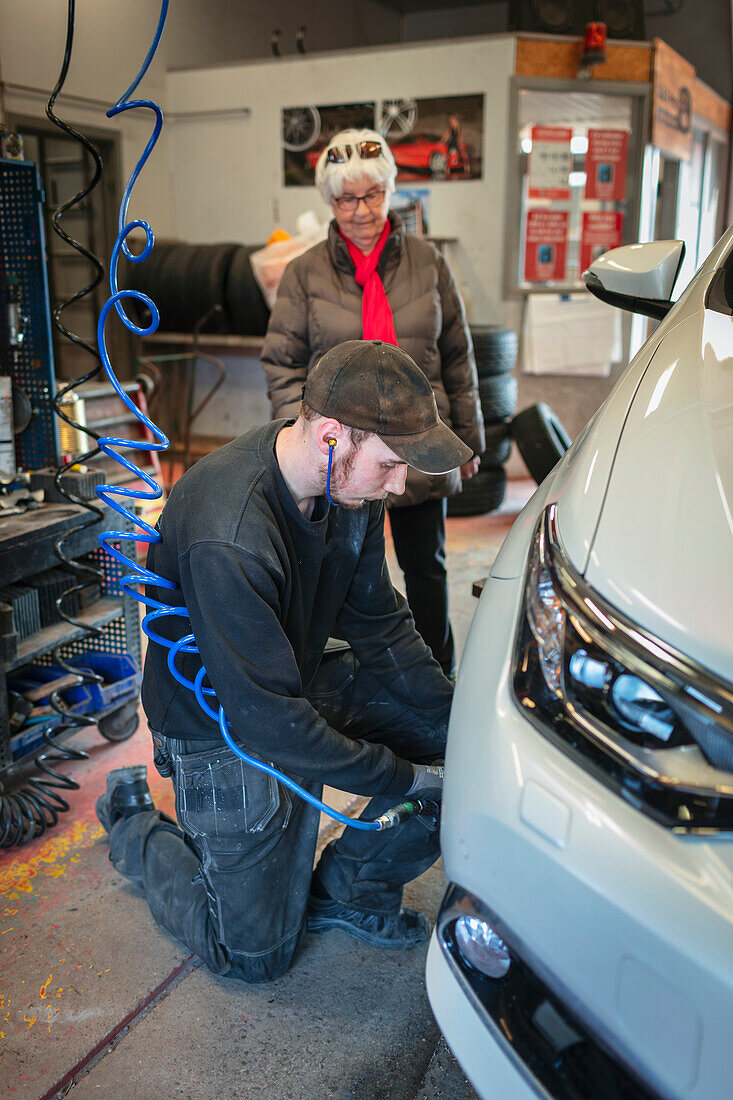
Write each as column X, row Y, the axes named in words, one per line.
column 482, row 948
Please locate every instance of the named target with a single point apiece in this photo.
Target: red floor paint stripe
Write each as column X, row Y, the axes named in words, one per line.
column 74, row 1072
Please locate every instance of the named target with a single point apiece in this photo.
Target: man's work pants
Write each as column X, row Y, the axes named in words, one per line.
column 232, row 881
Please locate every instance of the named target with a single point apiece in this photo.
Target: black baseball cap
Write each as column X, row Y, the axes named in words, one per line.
column 378, row 388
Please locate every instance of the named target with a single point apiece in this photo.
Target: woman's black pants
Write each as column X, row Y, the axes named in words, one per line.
column 418, row 533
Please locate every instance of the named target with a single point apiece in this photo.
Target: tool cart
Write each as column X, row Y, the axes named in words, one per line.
column 27, row 564
column 32, row 573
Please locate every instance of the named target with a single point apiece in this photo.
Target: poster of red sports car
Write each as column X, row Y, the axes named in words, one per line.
column 435, row 139
column 431, row 139
column 306, row 131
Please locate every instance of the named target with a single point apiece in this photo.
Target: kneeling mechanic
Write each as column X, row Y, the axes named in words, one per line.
column 269, row 571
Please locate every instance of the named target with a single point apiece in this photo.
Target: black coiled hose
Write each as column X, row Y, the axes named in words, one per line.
column 33, row 809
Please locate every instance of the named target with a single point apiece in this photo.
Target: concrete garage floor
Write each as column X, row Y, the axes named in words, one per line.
column 95, row 999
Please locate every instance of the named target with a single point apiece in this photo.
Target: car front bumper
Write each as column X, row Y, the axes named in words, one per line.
column 484, row 1058
column 628, row 926
column 537, row 1047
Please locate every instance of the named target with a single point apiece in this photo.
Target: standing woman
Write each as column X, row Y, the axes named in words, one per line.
column 369, row 280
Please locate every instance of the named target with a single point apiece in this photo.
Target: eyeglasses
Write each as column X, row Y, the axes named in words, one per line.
column 373, row 199
column 367, row 150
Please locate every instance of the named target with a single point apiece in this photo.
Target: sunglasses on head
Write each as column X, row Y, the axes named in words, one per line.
column 367, row 150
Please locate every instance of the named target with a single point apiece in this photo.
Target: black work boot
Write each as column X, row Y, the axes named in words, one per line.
column 400, row 930
column 127, row 794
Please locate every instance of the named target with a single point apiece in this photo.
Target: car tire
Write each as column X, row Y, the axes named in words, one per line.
column 144, row 277
column 495, row 348
column 498, row 395
column 498, row 443
column 246, row 305
column 541, row 438
column 186, row 282
column 482, row 493
column 211, row 282
column 193, row 281
column 438, row 163
column 166, row 289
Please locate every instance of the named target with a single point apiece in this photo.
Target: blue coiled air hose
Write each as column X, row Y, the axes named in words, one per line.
column 111, row 494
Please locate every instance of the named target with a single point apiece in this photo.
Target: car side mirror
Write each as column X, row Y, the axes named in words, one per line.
column 637, row 277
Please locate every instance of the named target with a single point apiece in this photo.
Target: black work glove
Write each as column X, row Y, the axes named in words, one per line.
column 427, row 786
column 427, row 782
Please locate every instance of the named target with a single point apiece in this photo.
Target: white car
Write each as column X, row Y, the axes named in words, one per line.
column 585, row 944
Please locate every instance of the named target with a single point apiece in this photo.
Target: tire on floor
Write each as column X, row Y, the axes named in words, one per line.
column 541, row 438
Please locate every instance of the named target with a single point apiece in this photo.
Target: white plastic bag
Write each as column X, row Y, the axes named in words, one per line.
column 269, row 263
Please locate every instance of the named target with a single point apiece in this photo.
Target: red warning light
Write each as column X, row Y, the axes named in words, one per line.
column 594, row 46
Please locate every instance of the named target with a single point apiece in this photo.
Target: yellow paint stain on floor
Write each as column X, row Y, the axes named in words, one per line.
column 18, row 877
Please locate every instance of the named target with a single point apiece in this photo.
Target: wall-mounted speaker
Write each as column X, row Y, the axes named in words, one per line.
column 623, row 18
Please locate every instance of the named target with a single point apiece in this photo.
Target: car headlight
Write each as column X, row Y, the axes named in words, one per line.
column 643, row 717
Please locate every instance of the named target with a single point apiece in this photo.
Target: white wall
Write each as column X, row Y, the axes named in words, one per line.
column 227, row 172
column 110, row 43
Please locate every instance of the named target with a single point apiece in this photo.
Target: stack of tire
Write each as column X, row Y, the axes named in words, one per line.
column 210, row 285
column 496, row 356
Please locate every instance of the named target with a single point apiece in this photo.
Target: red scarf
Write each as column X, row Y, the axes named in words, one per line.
column 376, row 312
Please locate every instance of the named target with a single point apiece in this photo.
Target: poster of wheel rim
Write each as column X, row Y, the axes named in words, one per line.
column 433, row 140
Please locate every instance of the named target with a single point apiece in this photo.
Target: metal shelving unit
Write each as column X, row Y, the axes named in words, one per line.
column 26, row 548
column 27, row 540
column 46, row 640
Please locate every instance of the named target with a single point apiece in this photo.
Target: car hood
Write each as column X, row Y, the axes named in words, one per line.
column 663, row 547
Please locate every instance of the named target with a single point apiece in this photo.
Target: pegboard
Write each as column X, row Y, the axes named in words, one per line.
column 23, row 255
column 129, row 641
column 121, row 635
column 113, row 639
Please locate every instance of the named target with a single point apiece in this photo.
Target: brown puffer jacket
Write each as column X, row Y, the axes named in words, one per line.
column 319, row 305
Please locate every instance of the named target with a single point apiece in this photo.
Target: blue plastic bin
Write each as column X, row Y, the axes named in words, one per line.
column 120, row 681
column 78, row 699
column 120, row 675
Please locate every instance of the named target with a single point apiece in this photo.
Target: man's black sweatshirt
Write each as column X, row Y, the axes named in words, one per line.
column 265, row 587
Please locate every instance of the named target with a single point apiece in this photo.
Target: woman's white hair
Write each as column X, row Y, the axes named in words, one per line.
column 330, row 178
